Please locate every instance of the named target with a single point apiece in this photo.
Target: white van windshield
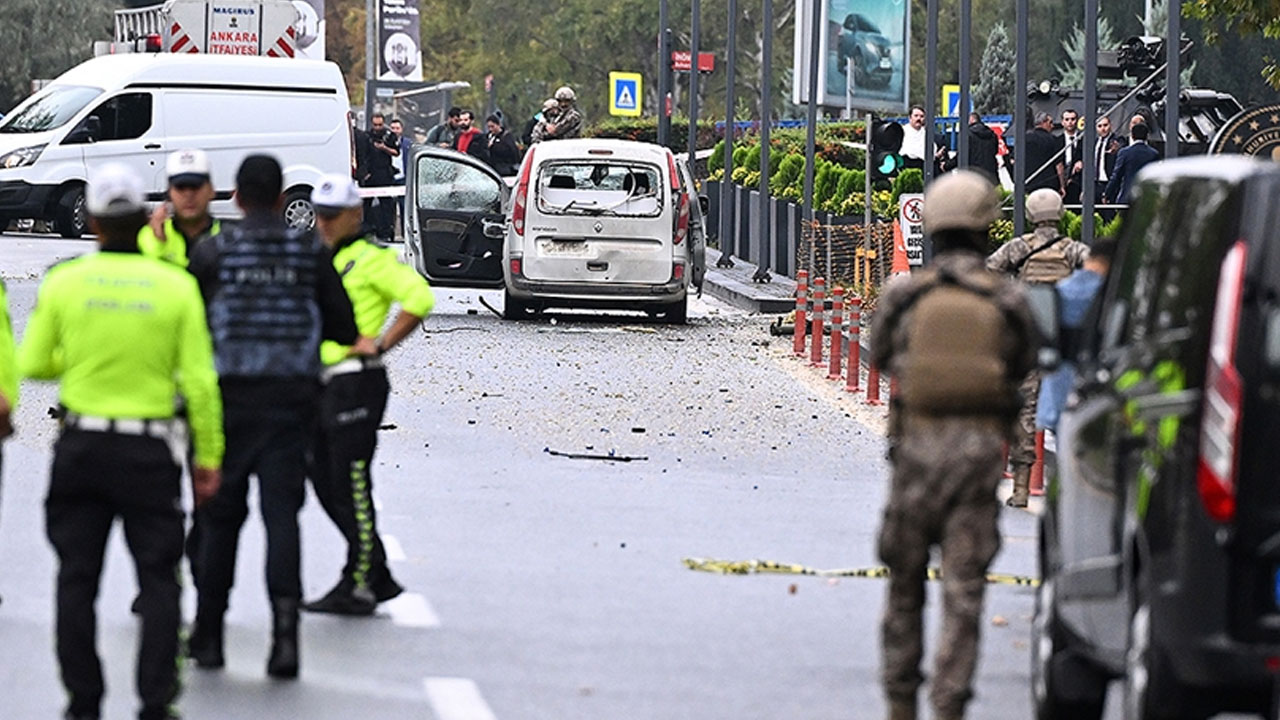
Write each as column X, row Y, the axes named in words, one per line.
column 50, row 109
column 600, row 188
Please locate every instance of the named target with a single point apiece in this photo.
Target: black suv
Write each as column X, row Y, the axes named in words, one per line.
column 1160, row 542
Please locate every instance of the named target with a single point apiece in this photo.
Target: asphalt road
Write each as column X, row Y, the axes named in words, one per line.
column 545, row 586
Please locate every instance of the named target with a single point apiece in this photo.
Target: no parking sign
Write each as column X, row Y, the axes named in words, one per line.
column 911, row 219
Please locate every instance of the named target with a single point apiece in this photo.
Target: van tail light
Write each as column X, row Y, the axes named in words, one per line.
column 1224, row 393
column 517, row 267
column 351, row 145
column 522, row 194
column 680, row 225
column 677, row 271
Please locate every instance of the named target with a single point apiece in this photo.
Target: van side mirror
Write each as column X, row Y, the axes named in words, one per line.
column 1272, row 349
column 705, row 204
column 86, row 132
column 1043, row 302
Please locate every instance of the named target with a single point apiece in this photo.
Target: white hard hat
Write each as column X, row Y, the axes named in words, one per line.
column 335, row 192
column 114, row 191
column 187, row 167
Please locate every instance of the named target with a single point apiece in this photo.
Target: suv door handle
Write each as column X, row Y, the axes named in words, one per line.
column 151, row 146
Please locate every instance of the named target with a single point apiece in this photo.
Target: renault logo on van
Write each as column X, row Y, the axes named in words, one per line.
column 599, row 226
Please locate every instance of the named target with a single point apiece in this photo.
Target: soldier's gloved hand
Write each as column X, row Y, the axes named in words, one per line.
column 205, row 483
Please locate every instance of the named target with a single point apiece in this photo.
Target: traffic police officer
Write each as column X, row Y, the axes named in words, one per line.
column 173, row 238
column 123, row 334
column 957, row 338
column 1043, row 255
column 272, row 295
column 355, row 393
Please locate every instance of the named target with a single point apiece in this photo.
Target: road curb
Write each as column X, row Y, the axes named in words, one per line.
column 734, row 286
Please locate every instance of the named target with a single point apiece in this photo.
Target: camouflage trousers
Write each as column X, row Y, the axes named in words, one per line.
column 1023, row 449
column 944, row 493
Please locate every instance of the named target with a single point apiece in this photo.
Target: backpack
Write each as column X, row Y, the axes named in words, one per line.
column 956, row 343
column 1046, row 263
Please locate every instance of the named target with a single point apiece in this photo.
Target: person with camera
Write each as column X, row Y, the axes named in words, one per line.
column 385, row 144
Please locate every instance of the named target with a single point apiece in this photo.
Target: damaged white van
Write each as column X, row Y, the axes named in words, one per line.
column 590, row 223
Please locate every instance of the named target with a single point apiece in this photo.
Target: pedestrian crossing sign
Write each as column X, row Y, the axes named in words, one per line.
column 624, row 93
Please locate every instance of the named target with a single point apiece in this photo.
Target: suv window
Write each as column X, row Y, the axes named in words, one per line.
column 599, row 188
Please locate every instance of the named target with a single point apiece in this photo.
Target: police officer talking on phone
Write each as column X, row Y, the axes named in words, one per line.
column 173, row 232
column 122, row 334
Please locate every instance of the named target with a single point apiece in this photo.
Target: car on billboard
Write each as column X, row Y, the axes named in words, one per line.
column 863, row 43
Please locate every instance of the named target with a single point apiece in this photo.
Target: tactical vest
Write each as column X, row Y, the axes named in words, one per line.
column 1047, row 262
column 264, row 316
column 954, row 362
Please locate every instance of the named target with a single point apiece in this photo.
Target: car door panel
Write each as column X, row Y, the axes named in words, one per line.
column 454, row 219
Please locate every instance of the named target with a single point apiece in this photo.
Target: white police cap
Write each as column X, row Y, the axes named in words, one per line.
column 188, row 167
column 335, row 192
column 114, row 190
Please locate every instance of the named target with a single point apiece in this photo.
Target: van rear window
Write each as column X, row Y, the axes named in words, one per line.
column 600, row 188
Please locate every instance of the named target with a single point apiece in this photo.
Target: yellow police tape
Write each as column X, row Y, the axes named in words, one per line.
column 749, row 567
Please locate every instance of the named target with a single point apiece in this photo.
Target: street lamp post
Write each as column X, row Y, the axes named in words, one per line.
column 766, row 110
column 664, row 74
column 695, row 35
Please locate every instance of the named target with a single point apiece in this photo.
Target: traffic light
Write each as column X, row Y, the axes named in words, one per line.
column 886, row 149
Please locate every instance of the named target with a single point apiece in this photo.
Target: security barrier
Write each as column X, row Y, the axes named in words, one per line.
column 819, row 318
column 837, row 332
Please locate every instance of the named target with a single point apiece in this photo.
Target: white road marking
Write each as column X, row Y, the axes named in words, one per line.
column 456, row 699
column 395, row 551
column 411, row 610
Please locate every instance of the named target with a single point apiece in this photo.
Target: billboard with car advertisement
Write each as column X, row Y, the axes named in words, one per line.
column 863, row 54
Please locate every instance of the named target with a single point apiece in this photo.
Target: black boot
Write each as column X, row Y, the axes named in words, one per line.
column 346, row 599
column 283, row 662
column 385, row 587
column 204, row 644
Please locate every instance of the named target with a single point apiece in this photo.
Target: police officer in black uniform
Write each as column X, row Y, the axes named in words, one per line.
column 272, row 296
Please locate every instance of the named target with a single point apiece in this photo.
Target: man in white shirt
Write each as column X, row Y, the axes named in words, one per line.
column 914, row 139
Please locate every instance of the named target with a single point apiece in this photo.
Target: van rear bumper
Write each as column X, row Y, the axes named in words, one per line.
column 598, row 293
column 21, row 199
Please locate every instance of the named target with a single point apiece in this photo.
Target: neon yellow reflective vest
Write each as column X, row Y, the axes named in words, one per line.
column 174, row 248
column 374, row 278
column 124, row 333
column 8, row 357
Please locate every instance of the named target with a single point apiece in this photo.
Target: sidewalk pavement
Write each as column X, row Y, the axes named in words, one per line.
column 735, row 287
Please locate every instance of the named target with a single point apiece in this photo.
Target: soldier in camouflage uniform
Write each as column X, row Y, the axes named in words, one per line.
column 566, row 124
column 957, row 339
column 1041, row 256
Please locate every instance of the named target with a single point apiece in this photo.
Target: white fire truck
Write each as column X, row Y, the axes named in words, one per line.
column 226, row 27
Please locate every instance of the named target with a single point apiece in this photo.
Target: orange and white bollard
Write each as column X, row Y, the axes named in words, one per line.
column 854, row 370
column 873, row 385
column 1037, row 470
column 802, row 302
column 837, row 334
column 819, row 317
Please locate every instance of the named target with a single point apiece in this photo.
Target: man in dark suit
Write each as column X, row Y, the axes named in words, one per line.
column 1042, row 146
column 1128, row 162
column 1103, row 156
column 1072, row 140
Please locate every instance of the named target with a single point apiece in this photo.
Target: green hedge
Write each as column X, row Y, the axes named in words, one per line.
column 646, row 130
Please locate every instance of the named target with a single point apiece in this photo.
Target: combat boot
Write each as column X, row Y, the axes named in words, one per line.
column 283, row 662
column 204, row 644
column 1021, row 486
column 902, row 710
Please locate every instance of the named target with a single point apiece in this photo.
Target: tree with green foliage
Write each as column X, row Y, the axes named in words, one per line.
column 994, row 92
column 1071, row 72
column 1245, row 18
column 41, row 39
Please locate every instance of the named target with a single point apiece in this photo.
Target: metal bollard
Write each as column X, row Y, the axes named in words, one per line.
column 1037, row 470
column 837, row 334
column 802, row 301
column 819, row 317
column 854, row 374
column 873, row 385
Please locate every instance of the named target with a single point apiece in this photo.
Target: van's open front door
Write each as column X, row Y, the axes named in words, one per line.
column 454, row 219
